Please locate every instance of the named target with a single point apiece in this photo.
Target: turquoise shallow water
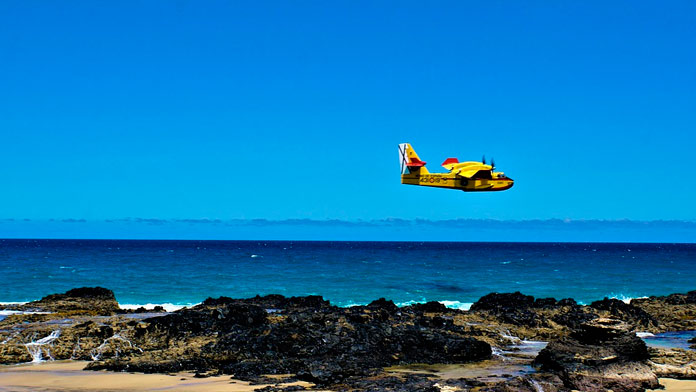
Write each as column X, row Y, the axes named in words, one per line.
column 186, row 272
column 676, row 339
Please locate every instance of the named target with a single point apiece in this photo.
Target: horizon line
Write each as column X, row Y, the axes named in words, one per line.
column 388, row 220
column 320, row 240
column 386, row 229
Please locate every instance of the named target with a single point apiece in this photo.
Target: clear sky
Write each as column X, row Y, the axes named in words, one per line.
column 294, row 109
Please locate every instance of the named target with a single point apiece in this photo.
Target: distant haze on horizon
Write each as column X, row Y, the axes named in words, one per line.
column 392, row 229
column 282, row 110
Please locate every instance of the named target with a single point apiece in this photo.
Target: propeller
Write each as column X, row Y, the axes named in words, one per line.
column 492, row 163
column 483, row 160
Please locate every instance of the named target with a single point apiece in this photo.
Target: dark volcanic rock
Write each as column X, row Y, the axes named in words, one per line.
column 207, row 320
column 573, row 317
column 625, row 312
column 675, row 312
column 545, row 303
column 600, row 355
column 513, row 308
column 430, row 307
column 274, row 301
column 307, row 337
column 680, row 299
column 411, row 382
column 382, row 303
column 567, row 302
column 500, row 302
column 347, row 348
column 142, row 309
column 673, row 363
column 90, row 300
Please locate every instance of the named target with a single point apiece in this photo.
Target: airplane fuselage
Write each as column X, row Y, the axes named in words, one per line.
column 453, row 181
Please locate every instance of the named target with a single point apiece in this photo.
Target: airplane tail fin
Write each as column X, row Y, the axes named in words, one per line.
column 409, row 160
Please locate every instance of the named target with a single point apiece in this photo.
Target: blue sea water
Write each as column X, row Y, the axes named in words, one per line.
column 346, row 273
column 672, row 339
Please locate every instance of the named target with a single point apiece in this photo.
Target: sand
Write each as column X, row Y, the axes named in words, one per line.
column 68, row 376
column 64, row 376
column 672, row 385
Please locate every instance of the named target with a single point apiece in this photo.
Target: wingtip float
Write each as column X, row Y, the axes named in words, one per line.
column 466, row 176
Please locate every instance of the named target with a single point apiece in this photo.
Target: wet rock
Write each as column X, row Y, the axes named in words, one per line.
column 598, row 356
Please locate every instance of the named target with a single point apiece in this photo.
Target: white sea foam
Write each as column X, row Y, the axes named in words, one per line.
column 11, row 312
column 96, row 353
column 507, row 335
column 36, row 348
column 644, row 334
column 624, row 298
column 457, row 304
column 450, row 304
column 409, row 303
column 498, row 353
column 169, row 307
column 535, row 384
column 621, row 297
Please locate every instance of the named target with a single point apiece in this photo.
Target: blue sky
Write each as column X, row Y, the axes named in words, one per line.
column 293, row 110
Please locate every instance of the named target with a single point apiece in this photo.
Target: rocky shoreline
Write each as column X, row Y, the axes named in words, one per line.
column 274, row 340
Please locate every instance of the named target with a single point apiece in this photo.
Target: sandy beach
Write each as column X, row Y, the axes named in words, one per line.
column 69, row 376
column 63, row 376
column 672, row 385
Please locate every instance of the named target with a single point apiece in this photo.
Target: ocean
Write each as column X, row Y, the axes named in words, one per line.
column 180, row 273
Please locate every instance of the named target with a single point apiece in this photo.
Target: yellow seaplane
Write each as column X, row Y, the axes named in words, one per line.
column 465, row 176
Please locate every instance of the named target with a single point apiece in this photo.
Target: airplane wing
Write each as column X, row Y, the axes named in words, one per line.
column 474, row 173
column 468, row 173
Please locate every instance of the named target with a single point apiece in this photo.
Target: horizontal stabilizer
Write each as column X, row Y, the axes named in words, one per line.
column 449, row 163
column 415, row 163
